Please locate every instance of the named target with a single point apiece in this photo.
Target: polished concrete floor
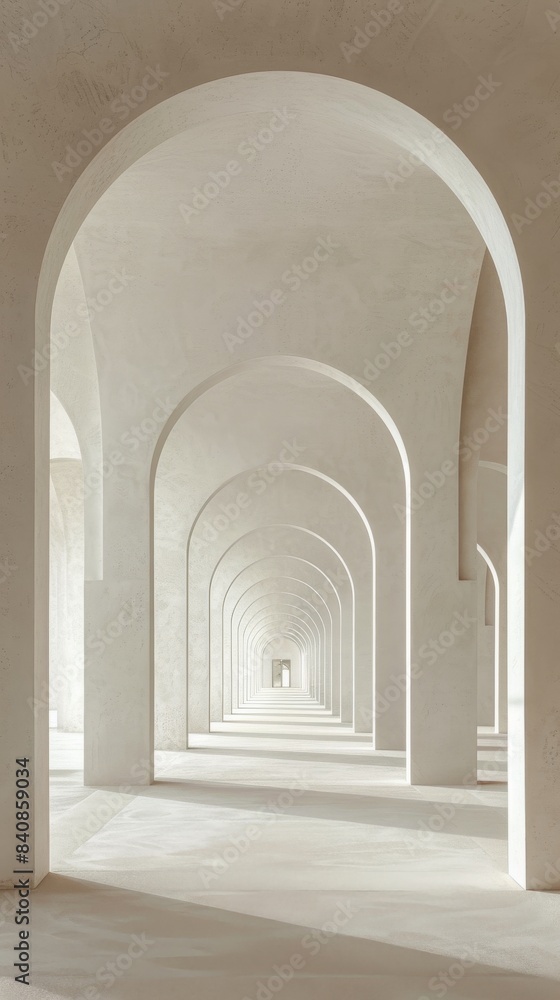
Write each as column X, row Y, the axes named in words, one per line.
column 214, row 883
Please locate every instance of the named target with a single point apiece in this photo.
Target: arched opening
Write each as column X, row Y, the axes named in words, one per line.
column 382, row 121
column 216, row 528
column 67, row 574
column 489, row 644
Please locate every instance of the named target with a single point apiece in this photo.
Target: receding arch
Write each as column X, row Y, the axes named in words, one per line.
column 333, row 630
column 405, row 126
column 253, row 367
column 492, row 570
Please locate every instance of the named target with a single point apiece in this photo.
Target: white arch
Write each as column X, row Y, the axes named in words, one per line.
column 496, row 580
column 388, row 117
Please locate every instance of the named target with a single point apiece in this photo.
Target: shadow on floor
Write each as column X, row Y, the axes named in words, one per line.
column 469, row 819
column 206, row 952
column 317, row 756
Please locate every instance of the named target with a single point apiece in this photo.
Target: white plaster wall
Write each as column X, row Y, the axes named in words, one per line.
column 67, row 656
column 67, row 568
column 75, row 384
column 486, row 645
column 492, row 535
column 427, row 69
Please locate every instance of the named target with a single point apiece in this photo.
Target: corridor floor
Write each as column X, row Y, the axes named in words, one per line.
column 214, row 883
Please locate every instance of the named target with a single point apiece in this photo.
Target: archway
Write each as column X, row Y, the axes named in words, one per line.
column 396, row 123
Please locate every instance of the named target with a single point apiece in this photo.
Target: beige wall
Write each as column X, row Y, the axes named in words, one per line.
column 55, row 86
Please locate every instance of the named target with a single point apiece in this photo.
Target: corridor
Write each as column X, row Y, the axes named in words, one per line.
column 251, row 831
column 279, row 480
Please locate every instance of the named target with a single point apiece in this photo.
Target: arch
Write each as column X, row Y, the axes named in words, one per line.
column 67, row 571
column 296, row 468
column 404, row 126
column 75, row 381
column 492, row 570
column 272, row 363
column 272, row 621
column 286, row 581
column 292, row 558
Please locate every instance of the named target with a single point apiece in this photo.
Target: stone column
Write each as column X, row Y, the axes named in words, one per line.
column 442, row 709
column 24, row 565
column 118, row 725
column 486, row 646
